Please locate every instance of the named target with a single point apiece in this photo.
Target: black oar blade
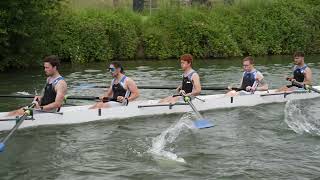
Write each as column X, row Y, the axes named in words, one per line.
column 2, row 146
column 203, row 123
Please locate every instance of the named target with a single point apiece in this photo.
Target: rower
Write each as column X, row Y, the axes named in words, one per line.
column 121, row 91
column 190, row 80
column 301, row 74
column 252, row 80
column 54, row 90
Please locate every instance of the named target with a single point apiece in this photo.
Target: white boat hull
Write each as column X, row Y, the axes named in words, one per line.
column 81, row 114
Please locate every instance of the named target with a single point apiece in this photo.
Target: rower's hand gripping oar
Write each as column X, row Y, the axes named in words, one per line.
column 305, row 86
column 201, row 122
column 255, row 86
column 27, row 112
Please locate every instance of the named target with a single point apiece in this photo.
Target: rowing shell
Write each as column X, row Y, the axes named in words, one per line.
column 81, row 114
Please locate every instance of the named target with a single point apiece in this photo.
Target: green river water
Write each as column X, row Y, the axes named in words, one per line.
column 246, row 143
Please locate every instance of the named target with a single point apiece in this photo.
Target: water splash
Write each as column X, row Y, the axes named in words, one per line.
column 302, row 117
column 160, row 143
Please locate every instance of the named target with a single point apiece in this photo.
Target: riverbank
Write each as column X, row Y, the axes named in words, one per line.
column 255, row 28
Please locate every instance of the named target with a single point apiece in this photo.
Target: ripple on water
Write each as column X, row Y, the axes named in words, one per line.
column 302, row 116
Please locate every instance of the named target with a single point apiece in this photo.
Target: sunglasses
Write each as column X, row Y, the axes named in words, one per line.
column 112, row 69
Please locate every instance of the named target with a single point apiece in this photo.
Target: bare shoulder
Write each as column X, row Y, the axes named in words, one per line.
column 195, row 76
column 308, row 69
column 259, row 74
column 130, row 82
column 62, row 84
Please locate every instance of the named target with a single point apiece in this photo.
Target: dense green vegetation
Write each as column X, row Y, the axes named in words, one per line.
column 24, row 29
column 32, row 29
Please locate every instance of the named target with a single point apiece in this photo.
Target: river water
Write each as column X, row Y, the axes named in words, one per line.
column 273, row 141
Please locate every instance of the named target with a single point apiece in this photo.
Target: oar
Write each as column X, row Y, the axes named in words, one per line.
column 66, row 97
column 159, row 87
column 201, row 122
column 16, row 96
column 27, row 112
column 309, row 87
column 305, row 86
column 255, row 86
column 157, row 105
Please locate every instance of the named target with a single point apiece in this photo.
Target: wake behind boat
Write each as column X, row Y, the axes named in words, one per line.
column 81, row 114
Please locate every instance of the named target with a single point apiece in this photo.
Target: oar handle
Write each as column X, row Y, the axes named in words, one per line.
column 296, row 83
column 27, row 112
column 302, row 85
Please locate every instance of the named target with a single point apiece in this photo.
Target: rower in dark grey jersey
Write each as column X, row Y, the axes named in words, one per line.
column 54, row 90
column 252, row 80
column 121, row 91
column 301, row 74
column 190, row 85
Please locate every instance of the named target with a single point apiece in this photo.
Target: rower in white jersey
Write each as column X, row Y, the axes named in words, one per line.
column 190, row 81
column 121, row 91
column 252, row 80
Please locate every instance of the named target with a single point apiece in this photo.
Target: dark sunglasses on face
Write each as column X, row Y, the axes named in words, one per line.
column 112, row 69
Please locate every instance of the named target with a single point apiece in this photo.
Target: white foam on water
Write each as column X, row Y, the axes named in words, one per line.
column 302, row 118
column 23, row 93
column 159, row 148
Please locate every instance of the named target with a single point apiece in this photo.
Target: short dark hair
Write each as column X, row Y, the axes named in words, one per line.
column 298, row 54
column 248, row 58
column 117, row 64
column 53, row 60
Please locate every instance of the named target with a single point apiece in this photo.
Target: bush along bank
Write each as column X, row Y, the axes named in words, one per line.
column 253, row 27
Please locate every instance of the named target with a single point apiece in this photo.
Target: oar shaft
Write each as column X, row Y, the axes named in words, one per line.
column 67, row 97
column 168, row 87
column 16, row 96
column 20, row 121
column 159, row 105
column 314, row 89
column 307, row 87
column 14, row 128
column 82, row 97
column 199, row 116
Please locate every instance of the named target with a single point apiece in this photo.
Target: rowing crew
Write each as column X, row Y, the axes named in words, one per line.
column 123, row 89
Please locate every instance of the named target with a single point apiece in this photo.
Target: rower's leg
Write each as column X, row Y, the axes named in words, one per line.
column 170, row 100
column 165, row 100
column 283, row 89
column 18, row 112
column 232, row 93
column 174, row 99
column 100, row 105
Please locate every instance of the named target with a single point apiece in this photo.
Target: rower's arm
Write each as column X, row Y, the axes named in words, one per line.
column 263, row 85
column 196, row 85
column 178, row 88
column 61, row 89
column 308, row 76
column 240, row 83
column 108, row 92
column 131, row 85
